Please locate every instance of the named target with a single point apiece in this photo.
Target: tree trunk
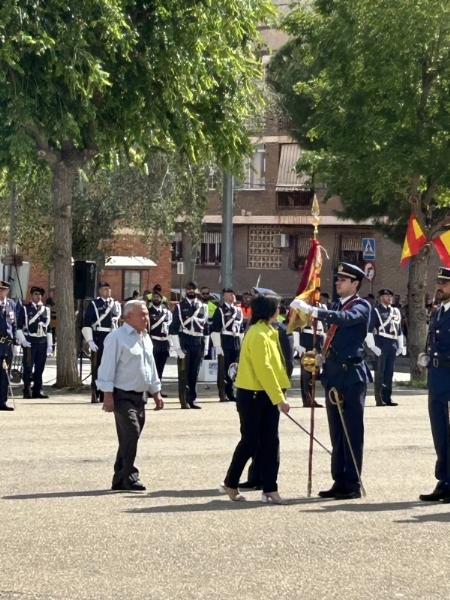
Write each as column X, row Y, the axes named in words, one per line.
column 417, row 282
column 189, row 257
column 63, row 176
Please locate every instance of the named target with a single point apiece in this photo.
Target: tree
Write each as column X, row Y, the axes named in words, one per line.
column 371, row 81
column 96, row 77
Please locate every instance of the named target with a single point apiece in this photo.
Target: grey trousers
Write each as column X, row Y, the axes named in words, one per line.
column 129, row 413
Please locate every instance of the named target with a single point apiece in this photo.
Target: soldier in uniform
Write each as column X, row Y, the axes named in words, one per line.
column 437, row 360
column 7, row 339
column 149, row 297
column 33, row 325
column 385, row 340
column 306, row 345
column 160, row 319
column 190, row 338
column 226, row 328
column 345, row 371
column 101, row 317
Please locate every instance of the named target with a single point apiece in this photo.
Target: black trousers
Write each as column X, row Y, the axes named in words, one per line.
column 34, row 360
column 259, row 431
column 96, row 360
column 160, row 361
column 7, row 356
column 384, row 374
column 194, row 355
column 230, row 356
column 440, row 429
column 129, row 413
column 343, row 469
column 305, row 385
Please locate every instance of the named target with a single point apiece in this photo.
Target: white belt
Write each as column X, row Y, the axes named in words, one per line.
column 193, row 333
column 161, row 339
column 388, row 335
column 104, row 329
column 230, row 333
column 36, row 335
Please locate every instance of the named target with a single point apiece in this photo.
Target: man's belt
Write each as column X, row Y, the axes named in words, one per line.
column 35, row 335
column 160, row 339
column 349, row 362
column 440, row 362
column 108, row 329
column 388, row 335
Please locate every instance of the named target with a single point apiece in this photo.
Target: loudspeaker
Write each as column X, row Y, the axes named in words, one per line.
column 84, row 279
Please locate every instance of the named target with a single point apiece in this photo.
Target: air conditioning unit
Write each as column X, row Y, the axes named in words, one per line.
column 281, row 240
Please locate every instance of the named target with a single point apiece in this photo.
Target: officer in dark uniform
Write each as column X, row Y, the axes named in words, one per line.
column 306, row 338
column 33, row 325
column 160, row 319
column 437, row 359
column 149, row 297
column 7, row 339
column 227, row 326
column 101, row 317
column 385, row 340
column 190, row 337
column 345, row 370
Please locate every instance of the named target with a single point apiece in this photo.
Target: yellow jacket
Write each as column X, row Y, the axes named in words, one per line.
column 261, row 363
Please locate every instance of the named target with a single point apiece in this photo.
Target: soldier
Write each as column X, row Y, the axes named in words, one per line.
column 160, row 319
column 33, row 325
column 385, row 340
column 101, row 317
column 306, row 345
column 226, row 328
column 149, row 297
column 190, row 337
column 245, row 307
column 344, row 373
column 437, row 361
column 7, row 339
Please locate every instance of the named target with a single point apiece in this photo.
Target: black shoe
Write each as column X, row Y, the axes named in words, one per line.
column 348, row 495
column 248, row 485
column 438, row 494
column 26, row 393
column 4, row 407
column 391, row 403
column 224, row 400
column 331, row 493
column 194, row 406
column 233, row 399
column 316, row 405
column 131, row 486
column 185, row 407
column 40, row 395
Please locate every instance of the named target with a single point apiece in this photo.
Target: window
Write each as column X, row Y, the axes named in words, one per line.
column 131, row 282
column 255, row 170
column 348, row 248
column 177, row 248
column 261, row 253
column 298, row 251
column 210, row 249
column 295, row 199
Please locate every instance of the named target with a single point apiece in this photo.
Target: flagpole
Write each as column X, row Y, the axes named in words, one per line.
column 315, row 220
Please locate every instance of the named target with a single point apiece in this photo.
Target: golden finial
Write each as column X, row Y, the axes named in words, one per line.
column 315, row 218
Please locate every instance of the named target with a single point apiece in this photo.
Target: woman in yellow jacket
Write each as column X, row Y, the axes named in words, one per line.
column 260, row 382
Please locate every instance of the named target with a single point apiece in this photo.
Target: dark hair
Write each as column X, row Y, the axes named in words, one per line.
column 283, row 310
column 263, row 308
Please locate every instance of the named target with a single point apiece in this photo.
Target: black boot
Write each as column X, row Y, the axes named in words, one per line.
column 40, row 395
column 26, row 391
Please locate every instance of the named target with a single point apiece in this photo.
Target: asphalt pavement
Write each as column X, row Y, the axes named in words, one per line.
column 65, row 535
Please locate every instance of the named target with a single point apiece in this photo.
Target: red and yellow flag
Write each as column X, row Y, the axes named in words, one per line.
column 442, row 245
column 414, row 240
column 308, row 289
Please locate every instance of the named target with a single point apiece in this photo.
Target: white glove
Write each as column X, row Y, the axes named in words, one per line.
column 206, row 345
column 302, row 306
column 49, row 350
column 375, row 350
column 93, row 346
column 26, row 344
column 219, row 350
column 300, row 350
column 180, row 353
column 16, row 351
column 399, row 351
column 320, row 360
column 423, row 360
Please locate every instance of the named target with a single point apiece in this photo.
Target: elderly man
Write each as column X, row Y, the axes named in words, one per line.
column 126, row 374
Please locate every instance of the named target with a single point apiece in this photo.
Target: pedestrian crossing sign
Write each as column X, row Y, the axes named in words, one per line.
column 368, row 248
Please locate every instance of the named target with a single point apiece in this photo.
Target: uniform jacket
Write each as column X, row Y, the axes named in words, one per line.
column 190, row 322
column 7, row 325
column 347, row 344
column 159, row 323
column 35, row 332
column 439, row 348
column 261, row 364
column 387, row 320
column 228, row 319
column 110, row 321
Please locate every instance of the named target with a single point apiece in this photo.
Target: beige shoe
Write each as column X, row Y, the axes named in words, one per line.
column 232, row 494
column 273, row 497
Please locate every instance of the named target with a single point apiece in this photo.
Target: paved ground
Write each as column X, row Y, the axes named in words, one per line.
column 64, row 535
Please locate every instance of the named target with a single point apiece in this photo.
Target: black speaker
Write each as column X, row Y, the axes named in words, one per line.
column 84, row 279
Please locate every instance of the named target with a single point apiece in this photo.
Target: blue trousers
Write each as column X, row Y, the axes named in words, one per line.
column 439, row 420
column 6, row 355
column 384, row 374
column 259, row 432
column 343, row 469
column 34, row 359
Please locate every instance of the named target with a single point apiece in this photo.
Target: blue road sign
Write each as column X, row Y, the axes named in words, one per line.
column 368, row 248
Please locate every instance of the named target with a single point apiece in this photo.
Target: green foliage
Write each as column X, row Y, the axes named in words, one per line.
column 369, row 82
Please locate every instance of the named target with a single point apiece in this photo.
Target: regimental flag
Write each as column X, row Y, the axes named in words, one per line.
column 442, row 245
column 414, row 240
column 308, row 289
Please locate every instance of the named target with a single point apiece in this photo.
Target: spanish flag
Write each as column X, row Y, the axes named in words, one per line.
column 308, row 289
column 414, row 240
column 442, row 245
